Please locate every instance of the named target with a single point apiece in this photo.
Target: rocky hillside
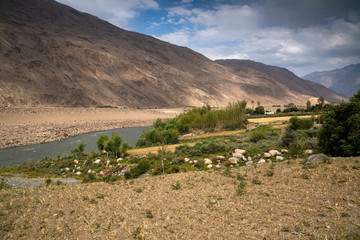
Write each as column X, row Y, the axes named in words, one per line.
column 54, row 55
column 345, row 80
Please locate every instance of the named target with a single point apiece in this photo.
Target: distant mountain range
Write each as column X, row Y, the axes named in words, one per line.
column 51, row 54
column 345, row 81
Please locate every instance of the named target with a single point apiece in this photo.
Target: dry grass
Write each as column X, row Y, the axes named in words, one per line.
column 286, row 205
column 274, row 119
column 156, row 149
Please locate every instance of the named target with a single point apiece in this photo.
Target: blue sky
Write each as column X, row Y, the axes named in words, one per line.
column 301, row 35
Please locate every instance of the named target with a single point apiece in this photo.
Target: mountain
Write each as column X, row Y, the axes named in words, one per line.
column 345, row 80
column 51, row 54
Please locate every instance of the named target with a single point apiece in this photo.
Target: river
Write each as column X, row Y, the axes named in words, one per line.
column 19, row 155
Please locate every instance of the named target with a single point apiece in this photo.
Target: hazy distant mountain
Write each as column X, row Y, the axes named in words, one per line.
column 51, row 54
column 345, row 80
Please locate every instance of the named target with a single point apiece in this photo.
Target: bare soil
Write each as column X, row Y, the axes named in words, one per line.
column 25, row 126
column 292, row 203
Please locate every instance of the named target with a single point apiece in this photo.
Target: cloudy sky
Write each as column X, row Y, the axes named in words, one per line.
column 301, row 35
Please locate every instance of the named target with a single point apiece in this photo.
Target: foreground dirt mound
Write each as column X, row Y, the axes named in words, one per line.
column 282, row 201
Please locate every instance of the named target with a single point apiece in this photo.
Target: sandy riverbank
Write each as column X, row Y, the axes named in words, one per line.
column 25, row 126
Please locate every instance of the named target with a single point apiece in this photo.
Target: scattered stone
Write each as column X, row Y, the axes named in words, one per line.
column 274, row 152
column 242, row 151
column 308, row 151
column 186, row 159
column 195, row 161
column 279, row 158
column 217, row 166
column 261, row 161
column 237, row 155
column 107, row 163
column 209, row 166
column 244, row 158
column 119, row 159
column 284, row 151
column 101, row 173
column 207, row 161
column 286, row 170
column 76, row 161
column 249, row 159
column 267, row 155
column 220, row 157
column 78, row 173
column 249, row 163
column 67, row 169
column 97, row 161
column 233, row 160
column 317, row 158
column 89, row 171
column 191, row 162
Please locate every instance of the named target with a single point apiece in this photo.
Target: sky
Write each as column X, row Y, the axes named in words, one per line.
column 300, row 35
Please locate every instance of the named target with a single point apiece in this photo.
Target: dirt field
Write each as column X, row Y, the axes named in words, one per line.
column 274, row 119
column 24, row 126
column 290, row 203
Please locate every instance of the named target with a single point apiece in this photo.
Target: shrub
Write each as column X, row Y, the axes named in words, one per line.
column 135, row 172
column 241, row 188
column 102, row 141
column 340, row 132
column 301, row 123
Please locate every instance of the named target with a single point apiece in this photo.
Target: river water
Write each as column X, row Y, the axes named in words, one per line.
column 19, row 155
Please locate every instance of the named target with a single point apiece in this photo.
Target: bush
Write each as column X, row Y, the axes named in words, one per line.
column 135, row 172
column 340, row 132
column 102, row 141
column 301, row 123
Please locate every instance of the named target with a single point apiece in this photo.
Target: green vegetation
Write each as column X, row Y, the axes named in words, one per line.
column 340, row 132
column 106, row 106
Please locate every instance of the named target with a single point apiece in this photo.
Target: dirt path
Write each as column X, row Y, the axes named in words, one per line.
column 291, row 203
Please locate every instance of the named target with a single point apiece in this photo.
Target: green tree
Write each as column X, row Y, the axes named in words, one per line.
column 340, row 132
column 101, row 142
column 113, row 144
column 259, row 110
column 124, row 147
column 308, row 106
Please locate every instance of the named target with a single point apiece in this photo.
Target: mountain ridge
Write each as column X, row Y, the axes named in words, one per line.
column 344, row 80
column 54, row 55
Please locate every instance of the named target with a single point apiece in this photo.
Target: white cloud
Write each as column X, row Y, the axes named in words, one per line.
column 180, row 37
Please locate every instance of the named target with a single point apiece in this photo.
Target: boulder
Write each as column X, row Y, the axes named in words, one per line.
column 119, row 159
column 67, row 169
column 317, row 158
column 220, row 157
column 89, row 171
column 207, row 161
column 97, row 161
column 209, row 166
column 233, row 160
column 76, row 161
column 78, row 173
column 242, row 151
column 217, row 166
column 267, row 155
column 249, row 163
column 249, row 159
column 261, row 161
column 284, row 151
column 187, row 159
column 279, row 158
column 237, row 155
column 274, row 152
column 308, row 151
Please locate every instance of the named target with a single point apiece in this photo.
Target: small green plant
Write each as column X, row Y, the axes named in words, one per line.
column 305, row 176
column 269, row 173
column 176, row 186
column 256, row 181
column 4, row 185
column 137, row 234
column 240, row 177
column 100, row 196
column 138, row 190
column 149, row 214
column 241, row 188
column 48, row 181
column 58, row 182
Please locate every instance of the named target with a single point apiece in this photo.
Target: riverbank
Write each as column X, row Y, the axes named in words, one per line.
column 27, row 126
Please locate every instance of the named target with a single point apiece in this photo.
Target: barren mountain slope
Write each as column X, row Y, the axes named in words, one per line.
column 51, row 54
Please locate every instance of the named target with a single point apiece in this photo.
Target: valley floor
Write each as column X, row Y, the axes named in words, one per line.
column 25, row 126
column 293, row 202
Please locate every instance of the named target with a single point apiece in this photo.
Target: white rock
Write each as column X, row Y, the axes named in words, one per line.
column 97, row 161
column 249, row 159
column 237, row 155
column 78, row 173
column 119, row 159
column 261, row 161
column 249, row 163
column 209, row 166
column 267, row 155
column 101, row 173
column 279, row 158
column 218, row 166
column 274, row 152
column 67, row 169
column 77, row 168
column 284, row 151
column 220, row 157
column 191, row 162
column 233, row 160
column 110, row 166
column 186, row 159
column 89, row 171
column 76, row 161
column 308, row 151
column 242, row 151
column 244, row 158
column 207, row 161
column 195, row 161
